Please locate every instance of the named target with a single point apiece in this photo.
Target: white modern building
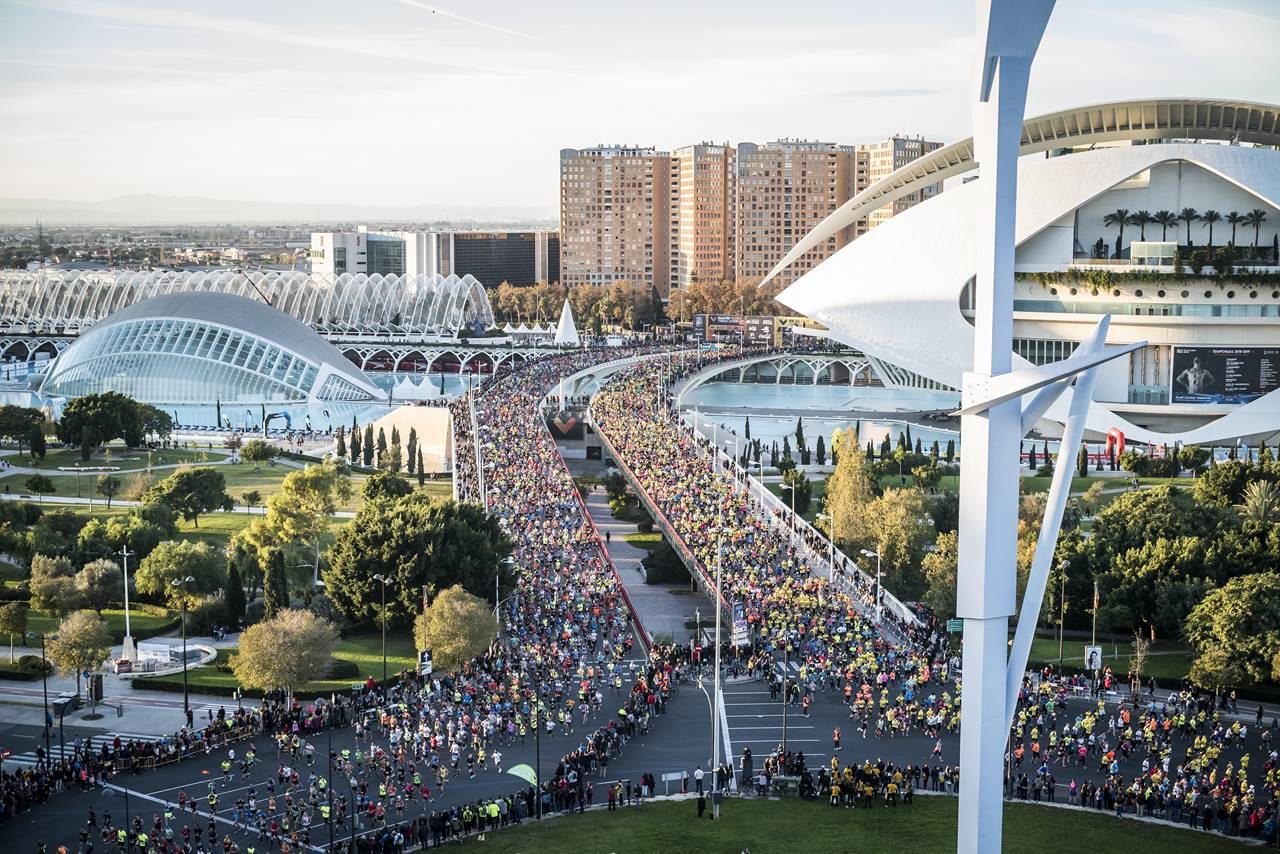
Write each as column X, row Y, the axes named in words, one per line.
column 396, row 253
column 1202, row 289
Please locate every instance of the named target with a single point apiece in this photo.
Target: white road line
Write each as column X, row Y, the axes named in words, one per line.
column 778, row 727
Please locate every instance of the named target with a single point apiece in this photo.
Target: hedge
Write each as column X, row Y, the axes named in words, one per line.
column 27, row 668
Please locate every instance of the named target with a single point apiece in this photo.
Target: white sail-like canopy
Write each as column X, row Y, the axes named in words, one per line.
column 566, row 331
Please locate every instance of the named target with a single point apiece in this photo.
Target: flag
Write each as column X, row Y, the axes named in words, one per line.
column 524, row 772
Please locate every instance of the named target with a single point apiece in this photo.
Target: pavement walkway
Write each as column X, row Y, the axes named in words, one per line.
column 661, row 608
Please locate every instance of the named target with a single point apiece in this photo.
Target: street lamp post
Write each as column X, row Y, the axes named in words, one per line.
column 715, row 722
column 384, row 580
column 497, row 595
column 831, row 541
column 789, row 488
column 786, row 672
column 44, row 677
column 129, row 650
column 181, row 584
column 1062, row 606
column 876, row 555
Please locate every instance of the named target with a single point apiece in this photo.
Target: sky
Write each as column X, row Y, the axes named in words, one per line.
column 401, row 102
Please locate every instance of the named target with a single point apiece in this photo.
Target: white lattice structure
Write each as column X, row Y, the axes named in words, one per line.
column 67, row 302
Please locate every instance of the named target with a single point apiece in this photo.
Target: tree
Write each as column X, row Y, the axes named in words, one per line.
column 355, row 443
column 52, row 585
column 108, row 486
column 821, row 451
column 1140, row 219
column 1119, row 218
column 175, row 560
column 191, row 492
column 422, row 471
column 41, row 485
column 1082, row 462
column 1164, row 219
column 13, row 622
column 384, row 484
column 416, row 542
column 455, row 627
column 939, row 568
column 1235, row 632
column 1188, row 216
column 108, row 415
column 233, row 593
column 1223, row 485
column 927, row 477
column 285, row 651
column 1234, row 219
column 17, row 424
column 1209, row 218
column 898, row 530
column 951, row 451
column 803, row 489
column 340, row 443
column 306, row 501
column 99, row 584
column 83, row 643
column 849, row 490
column 1254, row 219
column 257, row 452
column 275, row 582
column 382, row 445
column 37, row 442
column 393, row 459
column 368, row 445
column 251, row 499
column 411, row 451
column 1192, row 458
column 88, row 441
column 1260, row 504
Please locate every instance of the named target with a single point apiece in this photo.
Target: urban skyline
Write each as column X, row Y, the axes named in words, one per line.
column 271, row 103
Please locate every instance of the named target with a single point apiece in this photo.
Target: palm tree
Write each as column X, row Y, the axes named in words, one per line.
column 1164, row 219
column 1234, row 218
column 1260, row 503
column 1140, row 219
column 1188, row 215
column 1254, row 219
column 1209, row 218
column 1118, row 218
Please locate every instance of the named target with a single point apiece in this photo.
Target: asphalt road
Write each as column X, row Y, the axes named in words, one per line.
column 678, row 742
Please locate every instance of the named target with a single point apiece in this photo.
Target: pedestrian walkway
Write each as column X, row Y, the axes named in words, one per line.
column 662, row 609
column 58, row 748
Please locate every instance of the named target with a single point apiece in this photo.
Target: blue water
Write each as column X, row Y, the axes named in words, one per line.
column 750, row 398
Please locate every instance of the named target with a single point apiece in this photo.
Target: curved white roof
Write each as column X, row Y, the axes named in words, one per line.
column 69, row 301
column 1150, row 119
column 244, row 344
column 916, row 264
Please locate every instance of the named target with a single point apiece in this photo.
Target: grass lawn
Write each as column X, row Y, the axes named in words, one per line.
column 118, row 457
column 1035, row 483
column 794, row 825
column 1168, row 662
column 817, row 489
column 140, row 621
column 648, row 542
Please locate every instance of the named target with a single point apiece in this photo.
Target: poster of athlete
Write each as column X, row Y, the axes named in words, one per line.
column 1223, row 374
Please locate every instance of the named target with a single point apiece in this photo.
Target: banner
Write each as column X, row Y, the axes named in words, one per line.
column 1223, row 374
column 754, row 330
column 524, row 772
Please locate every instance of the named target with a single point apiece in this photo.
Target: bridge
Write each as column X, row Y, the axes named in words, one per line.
column 846, row 368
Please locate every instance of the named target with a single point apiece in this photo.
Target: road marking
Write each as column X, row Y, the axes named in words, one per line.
column 772, row 726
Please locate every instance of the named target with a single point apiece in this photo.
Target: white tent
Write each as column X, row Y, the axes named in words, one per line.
column 566, row 331
column 508, row 329
column 522, row 329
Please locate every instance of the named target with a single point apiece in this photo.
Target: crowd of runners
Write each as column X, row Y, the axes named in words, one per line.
column 569, row 667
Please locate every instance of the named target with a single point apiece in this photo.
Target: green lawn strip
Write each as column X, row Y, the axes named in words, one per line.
column 1167, row 662
column 144, row 621
column 817, row 489
column 648, row 542
column 119, row 457
column 794, row 825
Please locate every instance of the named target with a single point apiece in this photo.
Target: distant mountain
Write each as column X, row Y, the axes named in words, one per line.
column 146, row 209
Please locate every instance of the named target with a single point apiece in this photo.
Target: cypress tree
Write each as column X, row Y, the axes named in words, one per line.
column 935, row 452
column 275, row 584
column 340, row 448
column 951, row 450
column 36, row 443
column 382, row 441
column 1082, row 462
column 821, row 451
column 871, row 451
column 412, row 448
column 368, row 445
column 422, row 473
column 919, row 447
column 233, row 594
column 355, row 446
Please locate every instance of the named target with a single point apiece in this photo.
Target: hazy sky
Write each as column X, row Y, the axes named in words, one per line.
column 396, row 102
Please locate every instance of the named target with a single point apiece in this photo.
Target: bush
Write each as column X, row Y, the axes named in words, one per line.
column 206, row 615
column 340, row 668
column 663, row 565
column 1045, row 470
column 27, row 668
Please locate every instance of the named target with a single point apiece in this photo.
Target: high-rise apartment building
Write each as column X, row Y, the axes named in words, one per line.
column 707, row 212
column 890, row 154
column 784, row 189
column 615, row 216
column 703, row 181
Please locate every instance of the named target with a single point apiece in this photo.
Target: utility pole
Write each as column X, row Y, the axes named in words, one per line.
column 715, row 703
column 130, row 651
column 1062, row 607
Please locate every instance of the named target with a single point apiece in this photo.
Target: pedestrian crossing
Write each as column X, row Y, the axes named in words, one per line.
column 29, row 759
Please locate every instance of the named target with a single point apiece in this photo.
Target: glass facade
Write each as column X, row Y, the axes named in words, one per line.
column 174, row 361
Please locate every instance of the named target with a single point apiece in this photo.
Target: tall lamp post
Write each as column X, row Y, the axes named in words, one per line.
column 497, row 595
column 130, row 650
column 876, row 555
column 831, row 541
column 789, row 488
column 181, row 585
column 1062, row 606
column 384, row 580
column 44, row 677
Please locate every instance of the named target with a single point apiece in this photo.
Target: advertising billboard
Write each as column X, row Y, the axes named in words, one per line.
column 1223, row 374
column 755, row 330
